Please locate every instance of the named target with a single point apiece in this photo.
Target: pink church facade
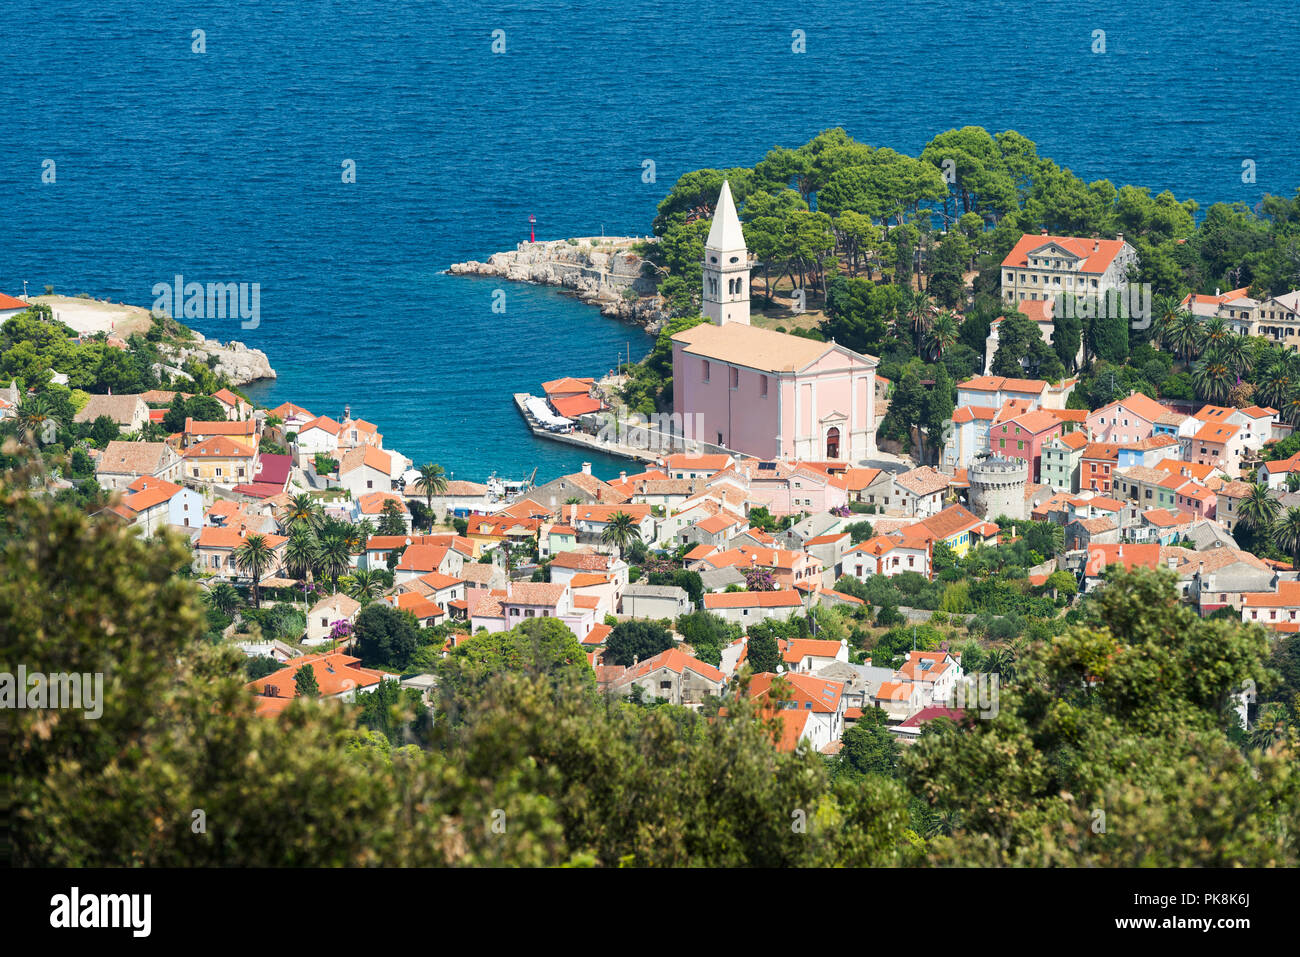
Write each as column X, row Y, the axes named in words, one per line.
column 774, row 396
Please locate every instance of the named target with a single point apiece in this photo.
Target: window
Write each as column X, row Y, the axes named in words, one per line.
column 735, row 378
column 762, row 386
column 706, row 370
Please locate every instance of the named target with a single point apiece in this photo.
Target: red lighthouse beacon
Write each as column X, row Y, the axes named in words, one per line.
column 532, row 222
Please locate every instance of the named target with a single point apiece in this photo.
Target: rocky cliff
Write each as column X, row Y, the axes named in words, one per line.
column 234, row 359
column 604, row 271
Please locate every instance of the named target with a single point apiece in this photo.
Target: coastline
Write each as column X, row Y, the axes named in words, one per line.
column 603, row 271
column 87, row 316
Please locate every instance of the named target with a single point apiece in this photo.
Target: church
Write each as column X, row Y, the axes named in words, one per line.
column 760, row 392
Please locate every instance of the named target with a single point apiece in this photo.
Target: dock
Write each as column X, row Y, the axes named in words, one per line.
column 583, row 440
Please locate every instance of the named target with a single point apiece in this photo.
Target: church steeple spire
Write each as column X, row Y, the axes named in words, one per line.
column 726, row 265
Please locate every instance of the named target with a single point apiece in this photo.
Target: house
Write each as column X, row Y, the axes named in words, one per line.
column 338, row 675
column 419, row 559
column 10, row 306
column 123, row 462
column 995, row 392
column 153, row 504
column 787, row 567
column 236, row 408
column 1042, row 267
column 714, row 530
column 674, row 676
column 427, row 613
column 888, row 555
column 919, row 493
column 130, row 413
column 568, row 387
column 1229, row 497
column 937, row 673
column 955, row 526
column 683, row 466
column 325, row 616
column 804, row 655
column 1096, row 465
column 590, row 521
column 292, row 417
column 320, row 436
column 440, row 589
column 553, row 538
column 750, row 607
column 1128, row 419
column 583, row 486
column 566, row 565
column 1023, row 438
column 655, row 601
column 524, row 600
column 364, row 468
column 815, row 704
column 220, row 461
column 371, row 505
column 1061, row 458
column 1276, row 609
column 969, row 437
column 829, row 550
column 215, row 547
column 1217, row 444
column 272, row 478
column 197, row 432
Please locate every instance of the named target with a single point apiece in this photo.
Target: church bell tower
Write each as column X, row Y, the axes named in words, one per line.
column 726, row 265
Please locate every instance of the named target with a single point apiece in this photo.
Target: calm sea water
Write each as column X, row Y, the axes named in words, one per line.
column 226, row 166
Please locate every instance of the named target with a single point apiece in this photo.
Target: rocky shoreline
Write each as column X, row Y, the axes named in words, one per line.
column 603, row 271
column 235, row 360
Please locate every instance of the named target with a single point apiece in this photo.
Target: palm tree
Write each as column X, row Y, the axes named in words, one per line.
column 1215, row 332
column 254, row 557
column 1184, row 335
column 300, row 552
column 1280, row 379
column 1259, row 508
column 1286, row 534
column 1212, row 378
column 942, row 334
column 1293, row 482
column 302, row 509
column 1166, row 311
column 1270, row 726
column 36, row 418
column 1235, row 353
column 620, row 531
column 334, row 555
column 363, row 585
column 224, row 598
column 919, row 309
column 432, row 481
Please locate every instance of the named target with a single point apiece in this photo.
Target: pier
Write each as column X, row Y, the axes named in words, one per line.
column 581, row 439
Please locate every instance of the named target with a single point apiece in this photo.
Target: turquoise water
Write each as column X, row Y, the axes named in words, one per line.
column 226, row 166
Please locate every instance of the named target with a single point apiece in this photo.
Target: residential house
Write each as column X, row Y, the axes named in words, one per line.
column 324, row 617
column 220, row 461
column 655, row 601
column 1126, row 420
column 1061, row 458
column 130, row 413
column 673, row 676
column 121, row 463
column 1023, row 438
column 750, row 607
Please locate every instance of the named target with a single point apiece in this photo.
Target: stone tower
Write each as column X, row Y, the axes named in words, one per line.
column 726, row 266
column 997, row 487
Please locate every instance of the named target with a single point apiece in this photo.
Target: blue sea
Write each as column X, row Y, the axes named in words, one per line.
column 226, row 165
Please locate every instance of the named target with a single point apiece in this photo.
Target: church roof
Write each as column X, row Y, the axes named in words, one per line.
column 762, row 349
column 725, row 234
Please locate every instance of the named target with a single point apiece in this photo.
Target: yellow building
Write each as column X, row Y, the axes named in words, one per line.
column 220, row 461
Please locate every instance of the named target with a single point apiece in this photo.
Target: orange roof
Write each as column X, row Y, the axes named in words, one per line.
column 784, row 598
column 990, row 383
column 218, row 447
column 336, row 672
column 1129, row 556
column 698, row 463
column 1216, row 432
column 372, row 503
column 576, row 405
column 422, row 558
column 1097, row 254
column 417, row 605
column 587, row 579
column 220, row 428
column 598, row 634
column 1037, row 421
column 324, row 423
column 805, row 690
column 1286, row 596
column 568, row 384
column 699, row 551
column 717, row 523
column 798, row 648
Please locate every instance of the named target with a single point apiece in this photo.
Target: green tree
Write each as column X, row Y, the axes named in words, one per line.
column 636, row 640
column 253, row 557
column 304, row 682
column 385, row 636
column 620, row 531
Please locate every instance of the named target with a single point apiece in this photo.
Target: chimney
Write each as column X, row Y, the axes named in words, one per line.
column 1043, row 231
column 1119, row 236
column 509, row 590
column 1119, row 553
column 622, row 476
column 586, row 468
